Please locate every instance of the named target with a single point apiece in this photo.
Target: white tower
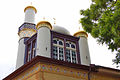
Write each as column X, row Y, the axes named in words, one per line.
column 30, row 12
column 43, row 39
column 83, row 47
column 26, row 30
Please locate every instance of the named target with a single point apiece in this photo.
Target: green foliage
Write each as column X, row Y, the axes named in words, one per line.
column 102, row 21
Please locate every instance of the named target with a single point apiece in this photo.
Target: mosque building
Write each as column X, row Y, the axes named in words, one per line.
column 50, row 52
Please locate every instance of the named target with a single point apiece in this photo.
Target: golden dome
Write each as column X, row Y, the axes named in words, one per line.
column 32, row 7
column 80, row 33
column 43, row 23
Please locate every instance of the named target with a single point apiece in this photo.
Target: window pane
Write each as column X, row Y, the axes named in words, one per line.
column 68, row 58
column 72, row 46
column 34, row 52
column 29, row 46
column 34, row 49
column 67, row 45
column 61, row 54
column 73, row 57
column 55, row 41
column 60, row 43
column 29, row 52
column 55, row 55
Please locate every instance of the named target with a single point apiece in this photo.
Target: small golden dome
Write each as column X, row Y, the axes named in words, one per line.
column 80, row 33
column 43, row 23
column 32, row 7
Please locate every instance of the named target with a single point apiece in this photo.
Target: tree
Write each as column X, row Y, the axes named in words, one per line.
column 102, row 21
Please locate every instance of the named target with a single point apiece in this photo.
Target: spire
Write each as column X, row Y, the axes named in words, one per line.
column 80, row 32
column 54, row 20
column 79, row 28
column 31, row 3
column 43, row 18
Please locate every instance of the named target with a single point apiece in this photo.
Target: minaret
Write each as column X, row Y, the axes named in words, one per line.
column 26, row 30
column 30, row 12
column 83, row 47
column 43, row 39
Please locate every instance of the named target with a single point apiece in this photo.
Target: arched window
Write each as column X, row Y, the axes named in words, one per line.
column 65, row 48
column 33, row 48
column 58, row 49
column 29, row 52
column 71, row 52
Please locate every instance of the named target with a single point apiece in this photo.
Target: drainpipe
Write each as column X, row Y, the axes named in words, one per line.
column 90, row 70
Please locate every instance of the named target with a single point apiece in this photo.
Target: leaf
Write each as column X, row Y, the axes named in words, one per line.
column 102, row 21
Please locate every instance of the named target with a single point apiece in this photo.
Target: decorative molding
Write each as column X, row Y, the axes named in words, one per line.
column 27, row 25
column 43, row 24
column 53, row 69
column 31, row 7
column 81, row 34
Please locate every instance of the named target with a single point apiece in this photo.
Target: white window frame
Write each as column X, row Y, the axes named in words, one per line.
column 59, row 46
column 71, row 49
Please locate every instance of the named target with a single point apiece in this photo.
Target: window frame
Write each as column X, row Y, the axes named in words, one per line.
column 65, row 38
column 32, row 41
column 58, row 48
column 72, row 49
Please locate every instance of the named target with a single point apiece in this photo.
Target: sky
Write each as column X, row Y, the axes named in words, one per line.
column 67, row 15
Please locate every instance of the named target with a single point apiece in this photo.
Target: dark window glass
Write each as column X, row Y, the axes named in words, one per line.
column 55, row 41
column 60, row 43
column 68, row 58
column 61, row 54
column 29, row 46
column 67, row 45
column 55, row 55
column 72, row 46
column 73, row 57
column 33, row 49
column 29, row 52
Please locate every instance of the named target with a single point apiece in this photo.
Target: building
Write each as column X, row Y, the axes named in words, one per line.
column 50, row 52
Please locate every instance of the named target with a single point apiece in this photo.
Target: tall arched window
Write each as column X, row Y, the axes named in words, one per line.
column 65, row 47
column 58, row 49
column 33, row 48
column 29, row 52
column 71, row 55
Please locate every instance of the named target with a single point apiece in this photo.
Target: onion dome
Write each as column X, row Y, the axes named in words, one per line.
column 81, row 34
column 43, row 24
column 31, row 7
column 60, row 29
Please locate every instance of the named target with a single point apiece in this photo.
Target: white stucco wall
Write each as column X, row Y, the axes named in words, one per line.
column 43, row 42
column 21, row 54
column 29, row 15
column 84, row 51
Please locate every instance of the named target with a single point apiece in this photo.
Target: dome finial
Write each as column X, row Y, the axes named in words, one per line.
column 79, row 28
column 44, row 18
column 54, row 20
column 31, row 3
column 81, row 32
